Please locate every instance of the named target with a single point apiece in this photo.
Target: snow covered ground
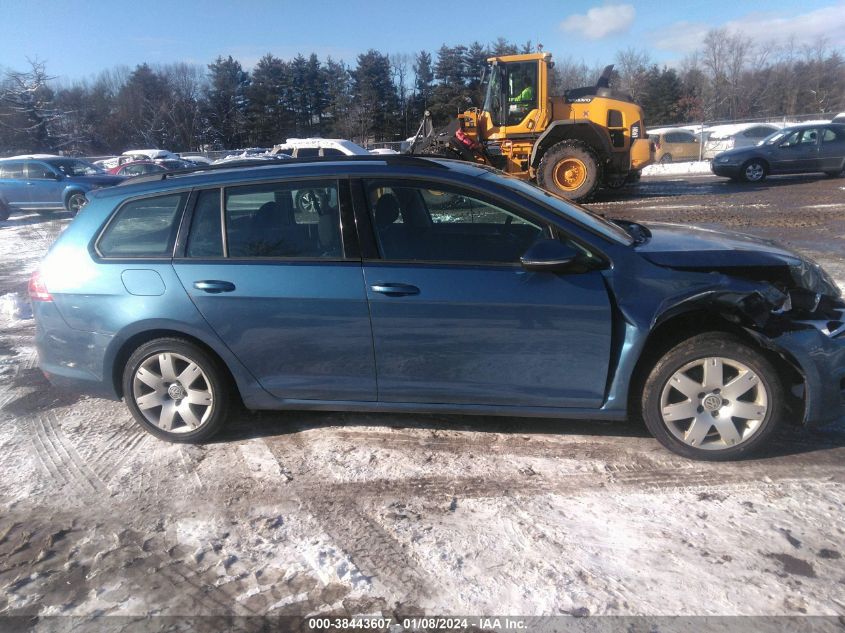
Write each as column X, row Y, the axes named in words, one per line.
column 677, row 169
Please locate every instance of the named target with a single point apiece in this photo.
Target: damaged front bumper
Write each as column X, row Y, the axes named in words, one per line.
column 818, row 353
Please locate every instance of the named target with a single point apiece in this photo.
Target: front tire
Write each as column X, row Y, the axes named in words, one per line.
column 713, row 397
column 570, row 169
column 754, row 171
column 666, row 158
column 5, row 212
column 75, row 202
column 176, row 390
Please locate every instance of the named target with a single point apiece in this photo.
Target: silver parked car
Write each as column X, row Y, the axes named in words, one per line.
column 732, row 138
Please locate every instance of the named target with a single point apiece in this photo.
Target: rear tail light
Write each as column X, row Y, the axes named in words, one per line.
column 38, row 289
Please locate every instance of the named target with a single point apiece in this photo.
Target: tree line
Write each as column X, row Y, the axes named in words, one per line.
column 382, row 97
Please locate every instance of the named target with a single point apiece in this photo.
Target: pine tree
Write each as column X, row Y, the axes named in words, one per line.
column 374, row 103
column 226, row 102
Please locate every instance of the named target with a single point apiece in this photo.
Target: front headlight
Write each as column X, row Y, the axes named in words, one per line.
column 723, row 159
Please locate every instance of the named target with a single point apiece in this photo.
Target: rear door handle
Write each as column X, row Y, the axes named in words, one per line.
column 395, row 290
column 214, row 286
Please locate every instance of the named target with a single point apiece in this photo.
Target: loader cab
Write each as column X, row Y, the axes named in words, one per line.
column 517, row 91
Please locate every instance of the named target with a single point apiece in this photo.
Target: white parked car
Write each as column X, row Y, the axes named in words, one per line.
column 195, row 158
column 132, row 155
column 314, row 147
column 725, row 137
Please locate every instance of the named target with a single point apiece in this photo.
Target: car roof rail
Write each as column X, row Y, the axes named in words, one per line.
column 391, row 159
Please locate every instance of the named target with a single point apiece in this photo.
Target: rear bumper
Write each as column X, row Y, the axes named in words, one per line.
column 71, row 359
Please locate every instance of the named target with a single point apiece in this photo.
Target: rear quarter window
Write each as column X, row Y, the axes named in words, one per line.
column 143, row 228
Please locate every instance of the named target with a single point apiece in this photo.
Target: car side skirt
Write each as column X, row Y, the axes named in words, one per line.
column 414, row 407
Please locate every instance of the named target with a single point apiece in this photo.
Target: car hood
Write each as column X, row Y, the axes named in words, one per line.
column 103, row 180
column 693, row 248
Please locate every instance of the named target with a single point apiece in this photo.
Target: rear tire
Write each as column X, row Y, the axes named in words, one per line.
column 570, row 169
column 835, row 174
column 5, row 212
column 176, row 390
column 713, row 397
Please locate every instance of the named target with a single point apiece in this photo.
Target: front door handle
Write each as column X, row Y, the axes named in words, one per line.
column 395, row 290
column 214, row 286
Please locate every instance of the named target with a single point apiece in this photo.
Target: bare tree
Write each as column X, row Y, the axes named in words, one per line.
column 400, row 65
column 28, row 110
column 631, row 67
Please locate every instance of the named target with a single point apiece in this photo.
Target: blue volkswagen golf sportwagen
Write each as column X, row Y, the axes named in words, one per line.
column 410, row 284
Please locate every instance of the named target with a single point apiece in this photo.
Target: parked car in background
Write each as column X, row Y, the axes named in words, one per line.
column 262, row 158
column 196, row 159
column 135, row 155
column 175, row 163
column 315, row 147
column 839, row 118
column 137, row 168
column 430, row 285
column 44, row 182
column 798, row 149
column 725, row 137
column 673, row 145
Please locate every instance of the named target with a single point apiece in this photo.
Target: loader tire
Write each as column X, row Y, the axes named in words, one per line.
column 570, row 169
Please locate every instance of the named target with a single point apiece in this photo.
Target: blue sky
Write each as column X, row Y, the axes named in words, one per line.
column 78, row 39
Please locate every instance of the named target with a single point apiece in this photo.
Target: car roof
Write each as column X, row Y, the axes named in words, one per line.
column 251, row 171
column 805, row 126
column 33, row 157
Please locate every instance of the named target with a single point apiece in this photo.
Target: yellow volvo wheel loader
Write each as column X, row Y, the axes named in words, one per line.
column 570, row 145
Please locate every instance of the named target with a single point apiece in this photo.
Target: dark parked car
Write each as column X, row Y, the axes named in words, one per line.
column 416, row 284
column 792, row 150
column 48, row 183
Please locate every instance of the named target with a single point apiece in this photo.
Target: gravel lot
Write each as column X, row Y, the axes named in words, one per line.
column 329, row 513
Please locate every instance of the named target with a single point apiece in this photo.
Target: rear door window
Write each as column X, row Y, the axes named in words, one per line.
column 143, row 228
column 39, row 171
column 291, row 219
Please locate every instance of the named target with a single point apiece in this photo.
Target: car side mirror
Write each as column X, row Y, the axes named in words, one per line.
column 58, row 176
column 549, row 255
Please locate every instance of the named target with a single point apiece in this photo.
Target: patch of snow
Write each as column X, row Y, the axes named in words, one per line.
column 13, row 307
column 672, row 169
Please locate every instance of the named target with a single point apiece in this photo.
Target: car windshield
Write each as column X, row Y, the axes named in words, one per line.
column 566, row 208
column 74, row 167
column 771, row 139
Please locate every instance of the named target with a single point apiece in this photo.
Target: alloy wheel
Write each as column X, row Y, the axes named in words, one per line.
column 75, row 203
column 754, row 172
column 714, row 403
column 173, row 392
